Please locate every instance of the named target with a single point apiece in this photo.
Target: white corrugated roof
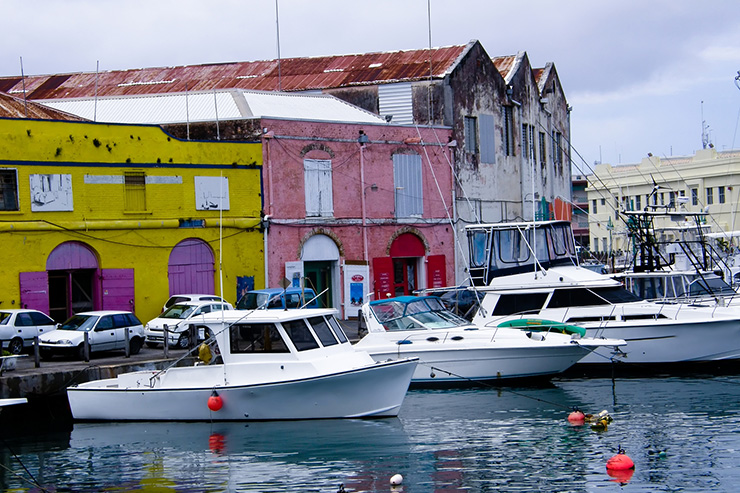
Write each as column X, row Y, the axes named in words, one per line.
column 211, row 106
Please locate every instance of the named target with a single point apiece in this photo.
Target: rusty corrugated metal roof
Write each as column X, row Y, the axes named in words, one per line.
column 504, row 64
column 290, row 74
column 12, row 107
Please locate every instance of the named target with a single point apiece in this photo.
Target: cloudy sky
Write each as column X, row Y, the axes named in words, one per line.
column 641, row 75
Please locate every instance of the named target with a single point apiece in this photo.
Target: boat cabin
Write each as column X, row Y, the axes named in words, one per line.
column 411, row 313
column 511, row 248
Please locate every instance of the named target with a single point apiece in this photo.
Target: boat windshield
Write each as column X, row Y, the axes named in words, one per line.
column 252, row 301
column 178, row 311
column 424, row 313
column 80, row 322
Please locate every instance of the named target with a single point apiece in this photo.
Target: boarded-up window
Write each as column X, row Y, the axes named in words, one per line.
column 8, row 190
column 408, row 183
column 487, row 140
column 318, row 185
column 134, row 184
column 543, row 148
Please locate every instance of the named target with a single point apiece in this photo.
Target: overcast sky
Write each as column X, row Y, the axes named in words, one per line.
column 634, row 71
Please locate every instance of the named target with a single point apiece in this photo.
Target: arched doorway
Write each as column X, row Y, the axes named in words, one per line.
column 72, row 268
column 320, row 257
column 406, row 252
column 190, row 268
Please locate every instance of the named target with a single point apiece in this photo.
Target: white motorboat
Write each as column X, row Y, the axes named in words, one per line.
column 531, row 269
column 270, row 365
column 451, row 350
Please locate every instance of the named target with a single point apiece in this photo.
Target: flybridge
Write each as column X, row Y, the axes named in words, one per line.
column 511, row 248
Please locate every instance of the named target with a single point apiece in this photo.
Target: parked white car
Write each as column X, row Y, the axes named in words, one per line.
column 190, row 298
column 18, row 327
column 106, row 331
column 178, row 318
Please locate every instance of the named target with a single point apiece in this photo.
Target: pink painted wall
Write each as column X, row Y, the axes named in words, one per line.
column 284, row 194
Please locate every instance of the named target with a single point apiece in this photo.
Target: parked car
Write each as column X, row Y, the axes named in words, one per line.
column 106, row 331
column 271, row 298
column 18, row 327
column 178, row 318
column 187, row 298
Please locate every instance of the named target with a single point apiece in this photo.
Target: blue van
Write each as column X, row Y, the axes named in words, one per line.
column 272, row 298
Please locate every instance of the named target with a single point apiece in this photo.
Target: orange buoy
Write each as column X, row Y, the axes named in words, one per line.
column 215, row 402
column 620, row 462
column 621, row 476
column 576, row 417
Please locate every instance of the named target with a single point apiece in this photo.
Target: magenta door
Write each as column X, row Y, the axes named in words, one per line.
column 190, row 268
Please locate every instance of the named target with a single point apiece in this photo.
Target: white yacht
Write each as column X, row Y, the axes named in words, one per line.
column 530, row 269
column 264, row 365
column 452, row 350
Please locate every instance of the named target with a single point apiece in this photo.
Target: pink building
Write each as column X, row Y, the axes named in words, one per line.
column 358, row 210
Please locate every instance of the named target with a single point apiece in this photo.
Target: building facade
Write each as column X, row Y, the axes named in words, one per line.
column 101, row 216
column 707, row 182
column 510, row 122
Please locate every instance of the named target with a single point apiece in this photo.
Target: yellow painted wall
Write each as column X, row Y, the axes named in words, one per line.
column 141, row 240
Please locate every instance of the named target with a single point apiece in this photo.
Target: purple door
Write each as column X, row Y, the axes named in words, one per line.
column 117, row 286
column 191, row 268
column 35, row 290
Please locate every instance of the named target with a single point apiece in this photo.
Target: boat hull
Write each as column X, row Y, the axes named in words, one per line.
column 486, row 364
column 668, row 341
column 371, row 391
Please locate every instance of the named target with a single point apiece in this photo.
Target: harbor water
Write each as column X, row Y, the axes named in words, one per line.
column 683, row 434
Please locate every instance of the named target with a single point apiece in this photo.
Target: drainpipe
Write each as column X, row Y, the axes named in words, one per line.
column 266, row 227
column 363, row 140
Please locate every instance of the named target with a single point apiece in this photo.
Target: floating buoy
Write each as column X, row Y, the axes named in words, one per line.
column 620, row 462
column 396, row 479
column 577, row 417
column 215, row 402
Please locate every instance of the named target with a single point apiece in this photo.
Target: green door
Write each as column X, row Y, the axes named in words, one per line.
column 318, row 277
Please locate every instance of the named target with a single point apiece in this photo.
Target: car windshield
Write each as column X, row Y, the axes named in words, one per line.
column 252, row 301
column 80, row 322
column 4, row 318
column 178, row 311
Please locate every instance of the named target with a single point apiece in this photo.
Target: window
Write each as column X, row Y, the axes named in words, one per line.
column 471, row 134
column 593, row 208
column 324, row 333
column 318, row 187
column 134, row 184
column 525, row 140
column 508, row 131
column 710, row 195
column 300, row 335
column 408, row 183
column 694, row 196
column 638, row 202
column 256, row 338
column 8, row 190
column 543, row 148
column 532, row 146
column 558, row 148
column 721, row 194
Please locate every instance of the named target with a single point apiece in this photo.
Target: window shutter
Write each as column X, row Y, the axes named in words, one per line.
column 487, row 140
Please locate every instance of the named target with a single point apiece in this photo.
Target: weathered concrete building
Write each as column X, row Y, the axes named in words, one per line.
column 510, row 122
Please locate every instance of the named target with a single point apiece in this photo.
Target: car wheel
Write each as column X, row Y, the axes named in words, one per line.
column 134, row 345
column 183, row 341
column 151, row 344
column 15, row 346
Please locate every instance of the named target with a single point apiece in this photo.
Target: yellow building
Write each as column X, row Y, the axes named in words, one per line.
column 105, row 216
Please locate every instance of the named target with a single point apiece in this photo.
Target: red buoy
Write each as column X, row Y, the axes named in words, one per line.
column 215, row 402
column 620, row 462
column 577, row 417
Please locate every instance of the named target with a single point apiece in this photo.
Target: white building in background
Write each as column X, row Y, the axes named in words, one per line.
column 707, row 182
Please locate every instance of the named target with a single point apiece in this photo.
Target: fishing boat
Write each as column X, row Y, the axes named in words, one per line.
column 530, row 269
column 259, row 365
column 452, row 350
